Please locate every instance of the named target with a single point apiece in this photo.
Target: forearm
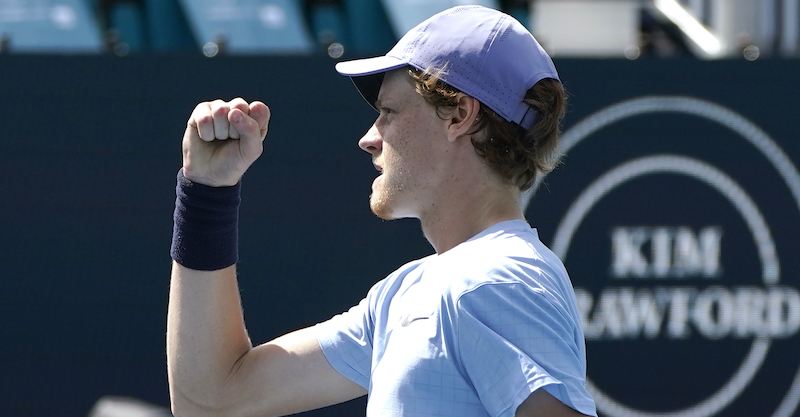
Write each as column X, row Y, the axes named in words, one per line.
column 206, row 336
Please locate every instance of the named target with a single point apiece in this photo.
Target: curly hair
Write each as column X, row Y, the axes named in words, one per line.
column 514, row 153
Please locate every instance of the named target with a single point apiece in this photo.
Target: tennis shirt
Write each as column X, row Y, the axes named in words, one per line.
column 467, row 333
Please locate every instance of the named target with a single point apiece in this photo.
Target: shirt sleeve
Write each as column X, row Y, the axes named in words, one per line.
column 513, row 340
column 346, row 341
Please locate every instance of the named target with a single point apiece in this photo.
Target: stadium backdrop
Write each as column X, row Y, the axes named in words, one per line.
column 676, row 211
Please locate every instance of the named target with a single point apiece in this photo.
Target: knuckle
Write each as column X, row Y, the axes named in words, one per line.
column 241, row 105
column 203, row 119
column 221, row 110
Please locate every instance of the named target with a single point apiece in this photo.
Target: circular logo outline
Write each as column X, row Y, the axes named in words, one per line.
column 736, row 195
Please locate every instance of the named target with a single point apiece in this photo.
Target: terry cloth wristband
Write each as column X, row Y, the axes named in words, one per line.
column 206, row 232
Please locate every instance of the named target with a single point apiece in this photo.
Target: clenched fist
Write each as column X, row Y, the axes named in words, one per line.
column 222, row 140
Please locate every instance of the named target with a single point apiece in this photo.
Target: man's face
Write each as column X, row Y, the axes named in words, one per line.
column 407, row 143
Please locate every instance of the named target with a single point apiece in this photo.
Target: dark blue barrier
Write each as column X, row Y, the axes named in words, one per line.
column 90, row 147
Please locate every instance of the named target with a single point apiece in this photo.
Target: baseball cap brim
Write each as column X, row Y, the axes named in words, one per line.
column 369, row 66
column 367, row 74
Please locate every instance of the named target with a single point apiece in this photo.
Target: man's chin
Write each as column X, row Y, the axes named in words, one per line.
column 390, row 204
column 382, row 210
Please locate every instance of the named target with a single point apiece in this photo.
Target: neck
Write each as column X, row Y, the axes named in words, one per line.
column 465, row 214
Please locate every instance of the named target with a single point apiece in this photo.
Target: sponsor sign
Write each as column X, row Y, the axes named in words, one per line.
column 680, row 232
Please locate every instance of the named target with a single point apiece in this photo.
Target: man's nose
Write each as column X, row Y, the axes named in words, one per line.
column 371, row 142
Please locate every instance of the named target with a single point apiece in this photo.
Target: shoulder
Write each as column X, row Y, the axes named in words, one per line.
column 383, row 291
column 508, row 255
column 509, row 269
column 400, row 275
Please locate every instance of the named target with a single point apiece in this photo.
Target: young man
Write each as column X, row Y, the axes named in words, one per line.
column 469, row 107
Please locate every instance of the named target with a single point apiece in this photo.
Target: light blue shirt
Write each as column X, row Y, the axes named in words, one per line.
column 471, row 332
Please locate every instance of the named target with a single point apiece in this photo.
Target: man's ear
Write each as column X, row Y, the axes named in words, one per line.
column 464, row 117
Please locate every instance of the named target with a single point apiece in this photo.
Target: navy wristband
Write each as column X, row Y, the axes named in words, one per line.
column 205, row 236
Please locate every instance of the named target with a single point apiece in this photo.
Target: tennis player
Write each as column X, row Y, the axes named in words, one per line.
column 469, row 114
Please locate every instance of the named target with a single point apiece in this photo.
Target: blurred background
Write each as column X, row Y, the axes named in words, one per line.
column 706, row 29
column 683, row 317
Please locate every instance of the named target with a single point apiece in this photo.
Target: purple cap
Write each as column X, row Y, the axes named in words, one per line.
column 487, row 54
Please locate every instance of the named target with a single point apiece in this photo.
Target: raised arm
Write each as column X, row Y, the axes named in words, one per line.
column 213, row 367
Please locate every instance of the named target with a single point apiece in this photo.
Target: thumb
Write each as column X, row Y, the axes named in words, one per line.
column 250, row 135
